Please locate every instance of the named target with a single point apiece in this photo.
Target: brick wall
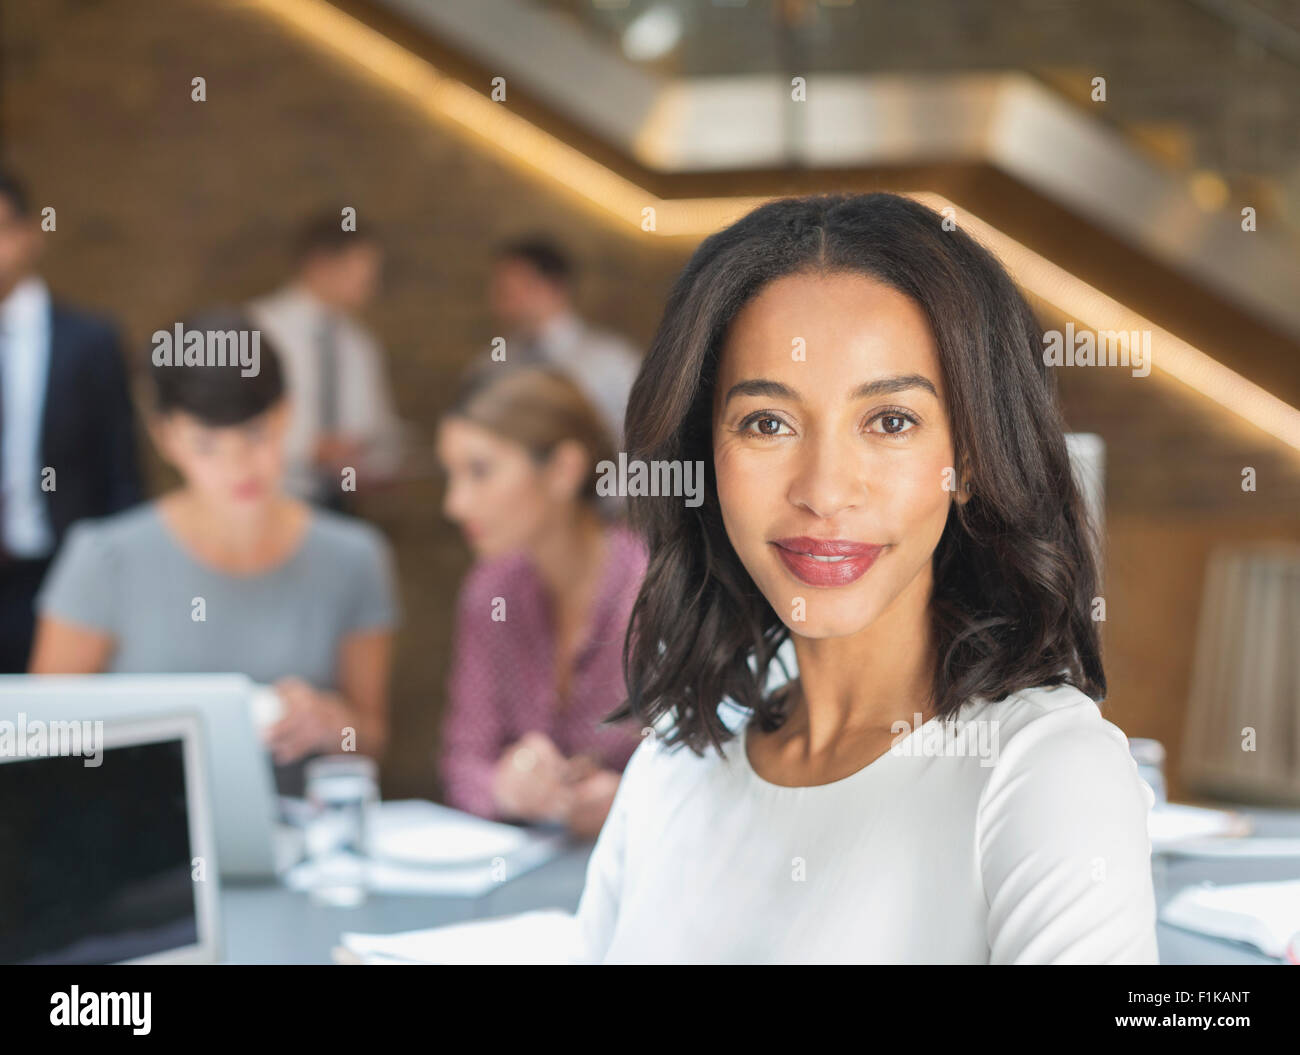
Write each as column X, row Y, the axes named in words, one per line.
column 165, row 204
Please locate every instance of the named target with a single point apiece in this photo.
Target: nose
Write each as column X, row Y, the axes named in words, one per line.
column 829, row 477
column 453, row 501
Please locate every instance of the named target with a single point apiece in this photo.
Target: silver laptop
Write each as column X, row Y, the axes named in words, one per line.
column 107, row 853
column 243, row 788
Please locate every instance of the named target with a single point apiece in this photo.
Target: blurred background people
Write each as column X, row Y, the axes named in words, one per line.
column 228, row 573
column 532, row 299
column 541, row 618
column 341, row 407
column 67, row 429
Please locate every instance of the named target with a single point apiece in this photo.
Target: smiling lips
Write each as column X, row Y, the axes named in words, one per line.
column 826, row 562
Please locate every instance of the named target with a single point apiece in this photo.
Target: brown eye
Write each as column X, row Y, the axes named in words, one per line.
column 894, row 423
column 765, row 425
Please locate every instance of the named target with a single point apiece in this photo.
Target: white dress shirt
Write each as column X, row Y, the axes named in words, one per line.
column 25, row 367
column 604, row 364
column 291, row 318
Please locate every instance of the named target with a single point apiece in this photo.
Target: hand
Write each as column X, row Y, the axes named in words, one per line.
column 313, row 721
column 529, row 781
column 579, row 767
column 592, row 797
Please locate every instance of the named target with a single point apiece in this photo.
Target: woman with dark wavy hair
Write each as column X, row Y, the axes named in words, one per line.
column 889, row 491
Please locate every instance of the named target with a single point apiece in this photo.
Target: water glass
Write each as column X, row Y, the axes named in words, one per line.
column 1150, row 758
column 342, row 792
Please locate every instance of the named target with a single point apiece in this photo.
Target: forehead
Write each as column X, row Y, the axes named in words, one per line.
column 363, row 252
column 515, row 268
column 456, row 433
column 849, row 326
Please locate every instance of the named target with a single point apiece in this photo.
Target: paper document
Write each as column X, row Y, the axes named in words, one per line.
column 1171, row 824
column 544, row 936
column 1267, row 915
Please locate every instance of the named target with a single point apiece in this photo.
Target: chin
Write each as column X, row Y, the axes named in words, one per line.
column 827, row 612
column 824, row 626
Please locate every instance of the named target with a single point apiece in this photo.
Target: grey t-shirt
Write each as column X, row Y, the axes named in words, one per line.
column 168, row 613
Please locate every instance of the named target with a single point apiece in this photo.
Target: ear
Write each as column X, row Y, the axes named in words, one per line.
column 568, row 468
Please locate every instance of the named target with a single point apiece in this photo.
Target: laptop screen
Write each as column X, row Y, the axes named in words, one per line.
column 95, row 861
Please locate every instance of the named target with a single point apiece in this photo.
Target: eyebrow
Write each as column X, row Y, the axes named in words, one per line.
column 882, row 386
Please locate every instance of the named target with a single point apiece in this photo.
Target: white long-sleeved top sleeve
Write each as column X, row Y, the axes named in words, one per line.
column 597, row 912
column 1064, row 850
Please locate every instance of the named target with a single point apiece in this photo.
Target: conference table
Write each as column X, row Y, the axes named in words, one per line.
column 269, row 923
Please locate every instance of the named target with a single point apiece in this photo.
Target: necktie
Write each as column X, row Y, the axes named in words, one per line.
column 529, row 352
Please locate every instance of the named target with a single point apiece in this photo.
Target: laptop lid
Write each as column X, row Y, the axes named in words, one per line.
column 242, row 775
column 107, row 852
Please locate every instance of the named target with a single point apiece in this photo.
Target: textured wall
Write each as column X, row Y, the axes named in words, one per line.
column 164, row 204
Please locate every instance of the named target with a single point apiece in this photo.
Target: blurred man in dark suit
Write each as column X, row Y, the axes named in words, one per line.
column 67, row 430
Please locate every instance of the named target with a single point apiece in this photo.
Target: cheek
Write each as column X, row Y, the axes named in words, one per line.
column 743, row 489
column 917, row 500
column 270, row 457
column 509, row 502
column 202, row 470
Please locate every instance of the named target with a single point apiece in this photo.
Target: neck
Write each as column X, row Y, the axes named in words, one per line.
column 318, row 291
column 245, row 534
column 864, row 683
column 563, row 553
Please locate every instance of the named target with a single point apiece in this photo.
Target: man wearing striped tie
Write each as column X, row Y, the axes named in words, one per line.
column 344, row 433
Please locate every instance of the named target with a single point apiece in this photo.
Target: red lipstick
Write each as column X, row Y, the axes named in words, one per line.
column 826, row 562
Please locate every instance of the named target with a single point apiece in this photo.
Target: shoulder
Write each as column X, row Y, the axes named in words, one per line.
column 630, row 556
column 669, row 774
column 1055, row 719
column 1058, row 760
column 273, row 304
column 81, row 325
column 606, row 345
column 675, row 770
column 125, row 543
column 132, row 529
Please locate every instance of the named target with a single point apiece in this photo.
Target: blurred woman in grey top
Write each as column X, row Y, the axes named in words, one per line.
column 227, row 572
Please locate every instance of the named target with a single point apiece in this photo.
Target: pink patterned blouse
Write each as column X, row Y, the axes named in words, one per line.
column 502, row 682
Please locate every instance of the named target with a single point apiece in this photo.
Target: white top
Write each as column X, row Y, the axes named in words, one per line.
column 292, row 318
column 1031, row 847
column 601, row 362
column 24, row 368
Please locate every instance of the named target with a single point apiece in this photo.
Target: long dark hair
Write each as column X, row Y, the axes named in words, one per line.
column 1014, row 571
